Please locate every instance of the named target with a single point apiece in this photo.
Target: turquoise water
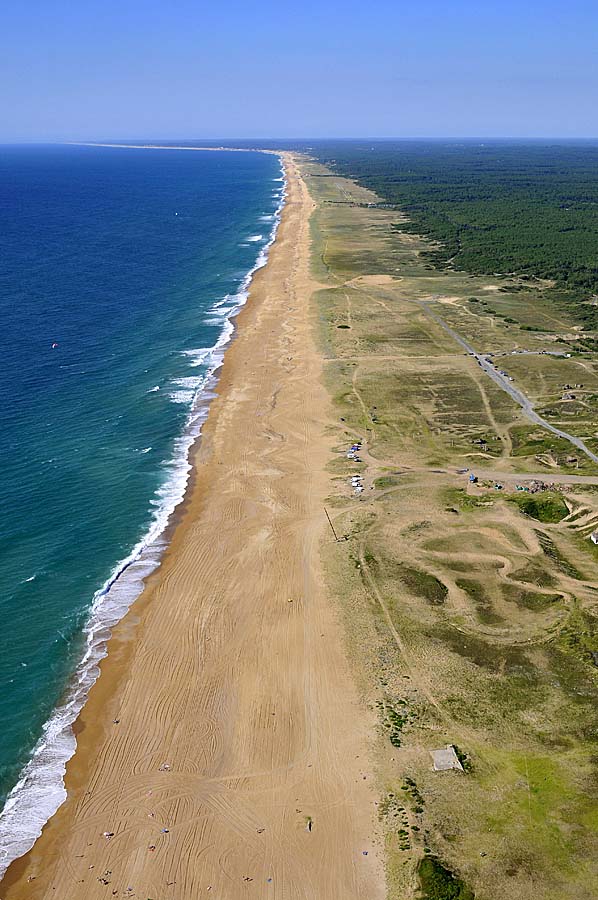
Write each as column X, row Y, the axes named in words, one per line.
column 119, row 272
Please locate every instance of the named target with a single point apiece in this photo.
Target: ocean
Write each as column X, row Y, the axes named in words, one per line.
column 120, row 272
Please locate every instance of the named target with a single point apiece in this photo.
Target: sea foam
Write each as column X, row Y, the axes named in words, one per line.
column 40, row 789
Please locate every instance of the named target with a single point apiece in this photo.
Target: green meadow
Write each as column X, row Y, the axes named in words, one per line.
column 470, row 609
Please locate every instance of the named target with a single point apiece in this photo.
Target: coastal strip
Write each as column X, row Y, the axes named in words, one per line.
column 224, row 744
column 40, row 789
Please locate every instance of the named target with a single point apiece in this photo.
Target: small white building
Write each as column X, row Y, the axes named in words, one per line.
column 446, row 759
column 594, row 537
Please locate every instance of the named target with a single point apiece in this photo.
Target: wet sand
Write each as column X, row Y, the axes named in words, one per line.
column 224, row 747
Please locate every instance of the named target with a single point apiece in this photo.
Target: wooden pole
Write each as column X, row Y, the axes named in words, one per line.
column 331, row 525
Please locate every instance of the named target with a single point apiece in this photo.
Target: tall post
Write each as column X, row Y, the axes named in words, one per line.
column 331, row 525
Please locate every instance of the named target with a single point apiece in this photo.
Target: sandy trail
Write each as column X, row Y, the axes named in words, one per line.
column 245, row 696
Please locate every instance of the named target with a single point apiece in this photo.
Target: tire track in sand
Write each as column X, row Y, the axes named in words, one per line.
column 245, row 696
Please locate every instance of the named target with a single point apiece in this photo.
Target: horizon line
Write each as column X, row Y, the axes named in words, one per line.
column 261, row 140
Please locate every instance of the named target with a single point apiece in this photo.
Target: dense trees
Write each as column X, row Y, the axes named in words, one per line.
column 496, row 207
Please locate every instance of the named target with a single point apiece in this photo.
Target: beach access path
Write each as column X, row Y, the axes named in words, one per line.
column 224, row 752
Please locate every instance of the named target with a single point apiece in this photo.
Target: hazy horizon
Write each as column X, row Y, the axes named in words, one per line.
column 130, row 69
column 263, row 140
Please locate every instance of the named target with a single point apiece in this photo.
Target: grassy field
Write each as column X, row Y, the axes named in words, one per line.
column 471, row 610
column 495, row 206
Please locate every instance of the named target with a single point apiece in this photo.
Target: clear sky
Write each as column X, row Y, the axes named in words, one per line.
column 336, row 68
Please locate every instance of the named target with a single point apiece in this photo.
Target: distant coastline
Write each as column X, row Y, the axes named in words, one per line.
column 173, row 147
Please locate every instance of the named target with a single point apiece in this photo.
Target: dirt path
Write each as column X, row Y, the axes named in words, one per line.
column 237, row 766
column 518, row 396
column 502, row 433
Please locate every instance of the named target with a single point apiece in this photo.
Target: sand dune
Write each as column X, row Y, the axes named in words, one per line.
column 238, row 765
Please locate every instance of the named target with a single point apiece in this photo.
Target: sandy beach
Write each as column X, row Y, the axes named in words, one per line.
column 224, row 751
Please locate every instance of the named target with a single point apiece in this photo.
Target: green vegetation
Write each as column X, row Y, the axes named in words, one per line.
column 439, row 883
column 534, row 574
column 546, row 507
column 537, row 442
column 495, row 658
column 411, row 788
column 497, row 207
column 460, row 498
column 580, row 635
column 461, row 614
column 385, row 481
column 423, row 584
column 561, row 562
column 529, row 599
column 419, row 583
column 463, row 758
column 477, row 592
column 394, row 718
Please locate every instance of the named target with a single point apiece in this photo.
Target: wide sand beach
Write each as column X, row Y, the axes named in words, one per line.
column 224, row 751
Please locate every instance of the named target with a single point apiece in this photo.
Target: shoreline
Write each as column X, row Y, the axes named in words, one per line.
column 175, row 147
column 196, row 739
column 43, row 774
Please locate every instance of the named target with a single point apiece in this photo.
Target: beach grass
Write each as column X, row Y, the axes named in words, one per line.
column 468, row 609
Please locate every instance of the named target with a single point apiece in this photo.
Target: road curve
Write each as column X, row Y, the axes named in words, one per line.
column 503, row 383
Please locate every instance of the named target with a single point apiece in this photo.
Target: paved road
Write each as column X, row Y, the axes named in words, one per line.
column 507, row 386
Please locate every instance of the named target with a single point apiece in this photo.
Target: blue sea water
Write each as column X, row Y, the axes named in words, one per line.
column 119, row 272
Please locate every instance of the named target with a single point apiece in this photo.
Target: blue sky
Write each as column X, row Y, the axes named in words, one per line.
column 176, row 68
